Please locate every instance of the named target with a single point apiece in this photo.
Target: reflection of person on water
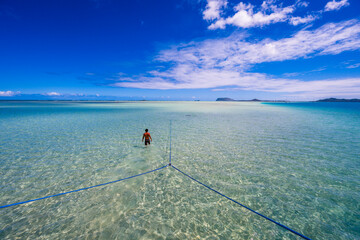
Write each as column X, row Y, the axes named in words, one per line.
column 147, row 137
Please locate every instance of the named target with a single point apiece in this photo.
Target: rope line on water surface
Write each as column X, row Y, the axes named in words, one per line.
column 170, row 146
column 81, row 189
column 242, row 205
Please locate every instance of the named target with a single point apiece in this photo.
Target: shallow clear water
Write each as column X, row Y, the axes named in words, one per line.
column 296, row 163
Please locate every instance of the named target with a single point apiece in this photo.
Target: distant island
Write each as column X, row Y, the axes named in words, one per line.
column 226, row 99
column 338, row 100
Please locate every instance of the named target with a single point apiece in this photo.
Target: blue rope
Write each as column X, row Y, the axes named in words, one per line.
column 81, row 189
column 170, row 146
column 271, row 220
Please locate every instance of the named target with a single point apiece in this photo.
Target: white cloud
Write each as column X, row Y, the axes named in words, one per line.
column 336, row 5
column 247, row 15
column 347, row 86
column 8, row 93
column 302, row 20
column 294, row 74
column 226, row 62
column 235, row 52
column 213, row 9
column 356, row 65
column 52, row 94
column 255, row 82
column 302, row 4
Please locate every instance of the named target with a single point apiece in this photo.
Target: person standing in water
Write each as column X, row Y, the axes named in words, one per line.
column 147, row 137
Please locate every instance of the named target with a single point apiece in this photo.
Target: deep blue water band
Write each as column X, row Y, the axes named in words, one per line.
column 81, row 189
column 267, row 218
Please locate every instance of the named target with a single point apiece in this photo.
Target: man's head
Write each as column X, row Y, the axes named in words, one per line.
column 146, row 130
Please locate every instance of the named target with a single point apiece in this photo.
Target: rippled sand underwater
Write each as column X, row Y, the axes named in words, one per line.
column 297, row 164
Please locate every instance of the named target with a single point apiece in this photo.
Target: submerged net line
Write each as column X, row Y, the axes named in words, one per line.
column 157, row 169
column 82, row 189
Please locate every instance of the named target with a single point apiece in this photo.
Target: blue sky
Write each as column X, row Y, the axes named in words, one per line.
column 179, row 50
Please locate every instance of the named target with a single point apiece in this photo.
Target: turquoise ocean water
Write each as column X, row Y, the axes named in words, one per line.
column 298, row 163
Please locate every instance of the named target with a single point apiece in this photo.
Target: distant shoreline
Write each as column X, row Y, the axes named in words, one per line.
column 225, row 99
column 338, row 100
column 286, row 101
column 253, row 100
